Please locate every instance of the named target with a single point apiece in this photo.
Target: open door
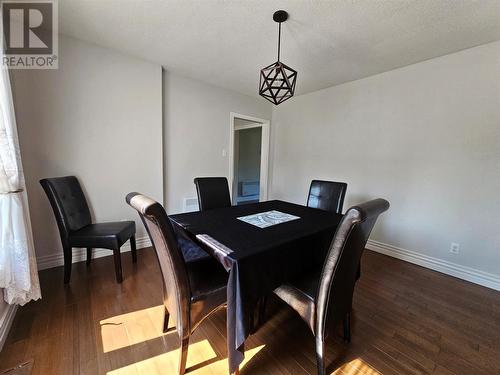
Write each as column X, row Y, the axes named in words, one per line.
column 249, row 154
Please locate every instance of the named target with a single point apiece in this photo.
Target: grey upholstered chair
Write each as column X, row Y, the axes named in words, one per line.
column 76, row 228
column 324, row 297
column 327, row 195
column 191, row 290
column 213, row 192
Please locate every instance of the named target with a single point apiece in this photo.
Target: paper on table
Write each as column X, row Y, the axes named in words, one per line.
column 268, row 218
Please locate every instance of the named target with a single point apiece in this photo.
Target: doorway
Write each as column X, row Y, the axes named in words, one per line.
column 249, row 154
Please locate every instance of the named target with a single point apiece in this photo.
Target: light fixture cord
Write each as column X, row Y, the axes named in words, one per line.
column 279, row 40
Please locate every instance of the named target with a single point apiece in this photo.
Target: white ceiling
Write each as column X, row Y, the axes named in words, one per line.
column 226, row 43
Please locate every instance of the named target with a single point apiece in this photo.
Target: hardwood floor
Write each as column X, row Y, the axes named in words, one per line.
column 407, row 320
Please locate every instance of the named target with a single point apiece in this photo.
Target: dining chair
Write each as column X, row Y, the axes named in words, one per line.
column 75, row 225
column 191, row 290
column 213, row 192
column 327, row 195
column 324, row 297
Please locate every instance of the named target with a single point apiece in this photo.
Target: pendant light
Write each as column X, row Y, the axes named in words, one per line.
column 277, row 81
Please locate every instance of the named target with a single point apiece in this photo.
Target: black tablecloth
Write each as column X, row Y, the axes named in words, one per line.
column 258, row 259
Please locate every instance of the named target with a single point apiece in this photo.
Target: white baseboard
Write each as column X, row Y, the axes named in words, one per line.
column 79, row 255
column 6, row 322
column 486, row 279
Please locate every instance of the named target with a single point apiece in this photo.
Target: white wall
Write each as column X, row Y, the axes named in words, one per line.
column 196, row 130
column 426, row 137
column 99, row 117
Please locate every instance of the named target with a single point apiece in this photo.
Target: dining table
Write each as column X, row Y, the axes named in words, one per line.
column 261, row 245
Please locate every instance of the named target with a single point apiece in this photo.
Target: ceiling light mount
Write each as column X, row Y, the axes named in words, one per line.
column 280, row 16
column 277, row 81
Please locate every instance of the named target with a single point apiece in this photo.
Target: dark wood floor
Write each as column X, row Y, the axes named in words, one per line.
column 407, row 320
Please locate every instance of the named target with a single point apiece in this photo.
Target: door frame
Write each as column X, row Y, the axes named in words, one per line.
column 264, row 150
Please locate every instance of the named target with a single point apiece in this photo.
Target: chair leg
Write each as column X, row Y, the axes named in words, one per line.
column 133, row 249
column 183, row 355
column 320, row 355
column 68, row 258
column 347, row 327
column 118, row 265
column 89, row 255
column 166, row 317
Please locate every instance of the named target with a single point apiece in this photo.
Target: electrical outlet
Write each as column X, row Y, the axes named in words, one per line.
column 455, row 248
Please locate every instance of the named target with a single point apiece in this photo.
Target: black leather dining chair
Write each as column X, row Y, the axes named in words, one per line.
column 324, row 297
column 191, row 290
column 327, row 195
column 76, row 228
column 213, row 192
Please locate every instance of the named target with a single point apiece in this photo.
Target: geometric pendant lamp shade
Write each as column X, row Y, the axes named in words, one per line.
column 277, row 81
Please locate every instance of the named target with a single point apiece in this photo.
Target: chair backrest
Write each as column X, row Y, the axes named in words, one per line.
column 68, row 203
column 327, row 195
column 334, row 299
column 176, row 291
column 213, row 192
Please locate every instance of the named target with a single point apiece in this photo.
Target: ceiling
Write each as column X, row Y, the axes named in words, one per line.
column 226, row 43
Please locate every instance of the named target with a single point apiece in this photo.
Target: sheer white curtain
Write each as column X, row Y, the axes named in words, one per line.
column 18, row 270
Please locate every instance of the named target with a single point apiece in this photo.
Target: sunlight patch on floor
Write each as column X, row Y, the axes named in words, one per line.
column 198, row 353
column 132, row 328
column 127, row 330
column 166, row 363
column 355, row 367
